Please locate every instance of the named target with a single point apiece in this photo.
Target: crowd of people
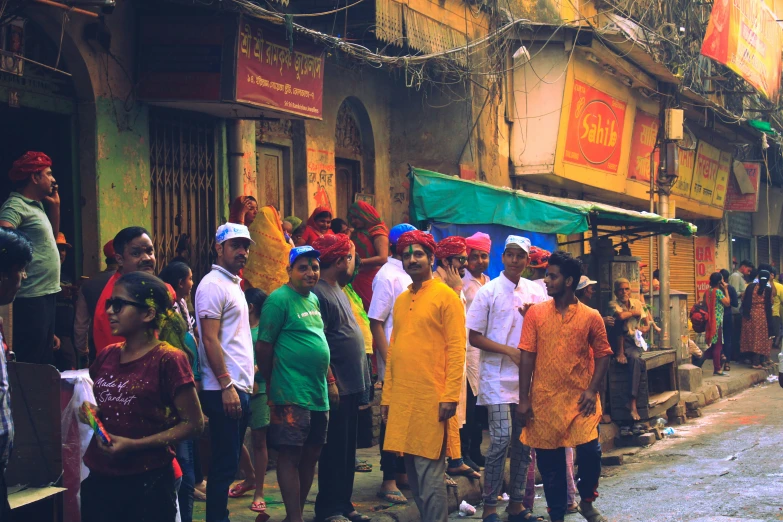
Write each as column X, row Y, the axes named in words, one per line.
column 361, row 309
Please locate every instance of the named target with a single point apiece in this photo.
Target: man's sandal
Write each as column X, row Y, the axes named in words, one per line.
column 525, row 515
column 394, row 497
column 591, row 514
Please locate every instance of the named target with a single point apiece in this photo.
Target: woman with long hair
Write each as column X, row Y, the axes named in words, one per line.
column 716, row 297
column 757, row 319
column 371, row 237
column 147, row 401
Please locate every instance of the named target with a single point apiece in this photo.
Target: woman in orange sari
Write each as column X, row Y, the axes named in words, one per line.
column 371, row 238
column 243, row 211
column 318, row 225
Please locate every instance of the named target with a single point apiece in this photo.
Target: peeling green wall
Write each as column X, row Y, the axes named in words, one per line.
column 122, row 167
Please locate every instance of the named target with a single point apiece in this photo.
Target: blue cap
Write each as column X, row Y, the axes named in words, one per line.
column 298, row 252
column 398, row 230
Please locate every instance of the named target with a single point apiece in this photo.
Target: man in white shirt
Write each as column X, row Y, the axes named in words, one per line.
column 226, row 351
column 494, row 324
column 390, row 281
column 478, row 247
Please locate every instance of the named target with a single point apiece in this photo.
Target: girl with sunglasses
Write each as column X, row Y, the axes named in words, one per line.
column 147, row 402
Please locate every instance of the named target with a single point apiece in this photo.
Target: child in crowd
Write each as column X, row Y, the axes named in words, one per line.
column 146, row 399
column 259, row 419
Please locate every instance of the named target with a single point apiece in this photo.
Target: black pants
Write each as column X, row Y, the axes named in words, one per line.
column 391, row 464
column 470, row 434
column 337, row 463
column 552, row 465
column 34, row 319
column 736, row 333
column 728, row 334
column 5, row 509
column 147, row 497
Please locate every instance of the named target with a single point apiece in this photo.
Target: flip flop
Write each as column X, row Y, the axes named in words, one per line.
column 363, row 467
column 358, row 517
column 239, row 489
column 469, row 472
column 524, row 516
column 450, row 483
column 395, row 497
column 258, row 506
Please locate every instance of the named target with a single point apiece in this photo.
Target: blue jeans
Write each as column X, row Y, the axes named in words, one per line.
column 185, row 493
column 225, row 440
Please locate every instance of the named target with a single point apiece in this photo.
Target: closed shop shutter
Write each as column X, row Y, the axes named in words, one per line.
column 682, row 266
column 768, row 250
column 763, row 249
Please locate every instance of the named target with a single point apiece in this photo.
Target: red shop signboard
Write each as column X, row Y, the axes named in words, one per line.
column 270, row 73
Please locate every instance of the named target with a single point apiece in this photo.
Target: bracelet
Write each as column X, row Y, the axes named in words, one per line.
column 228, row 386
column 224, row 375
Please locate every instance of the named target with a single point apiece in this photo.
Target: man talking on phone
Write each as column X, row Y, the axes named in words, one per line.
column 33, row 208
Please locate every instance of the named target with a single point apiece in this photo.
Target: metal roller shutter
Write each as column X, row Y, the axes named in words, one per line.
column 682, row 268
column 762, row 249
column 768, row 250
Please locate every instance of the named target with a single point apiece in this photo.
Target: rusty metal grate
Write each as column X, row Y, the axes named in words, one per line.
column 183, row 172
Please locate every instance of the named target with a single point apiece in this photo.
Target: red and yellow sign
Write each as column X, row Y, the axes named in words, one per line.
column 645, row 133
column 744, row 35
column 271, row 73
column 705, row 172
column 595, row 129
column 722, row 181
column 705, row 263
column 682, row 187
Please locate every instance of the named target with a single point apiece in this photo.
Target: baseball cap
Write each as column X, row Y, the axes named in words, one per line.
column 298, row 252
column 108, row 249
column 398, row 230
column 230, row 231
column 61, row 241
column 584, row 282
column 521, row 242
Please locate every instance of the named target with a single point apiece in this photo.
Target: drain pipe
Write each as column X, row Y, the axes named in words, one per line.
column 235, row 155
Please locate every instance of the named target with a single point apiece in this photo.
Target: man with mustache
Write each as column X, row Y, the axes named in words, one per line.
column 424, row 376
column 301, row 383
column 227, row 368
column 134, row 252
column 33, row 185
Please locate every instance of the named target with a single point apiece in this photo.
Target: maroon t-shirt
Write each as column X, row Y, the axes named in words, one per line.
column 136, row 400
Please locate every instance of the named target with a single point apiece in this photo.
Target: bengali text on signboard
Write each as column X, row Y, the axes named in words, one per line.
column 745, row 36
column 645, row 132
column 735, row 199
column 682, row 187
column 722, row 180
column 595, row 129
column 705, row 172
column 272, row 74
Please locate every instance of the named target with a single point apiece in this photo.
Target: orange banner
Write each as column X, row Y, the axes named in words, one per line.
column 745, row 36
column 705, row 263
column 705, row 172
column 722, row 182
column 645, row 132
column 595, row 129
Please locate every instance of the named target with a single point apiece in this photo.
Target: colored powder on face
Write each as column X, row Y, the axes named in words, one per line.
column 410, row 250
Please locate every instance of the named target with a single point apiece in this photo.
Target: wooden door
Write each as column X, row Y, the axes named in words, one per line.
column 348, row 183
column 271, row 172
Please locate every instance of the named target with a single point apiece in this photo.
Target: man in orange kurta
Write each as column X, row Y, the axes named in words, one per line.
column 563, row 409
column 425, row 367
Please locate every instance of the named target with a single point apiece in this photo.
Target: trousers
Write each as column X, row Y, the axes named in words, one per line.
column 504, row 432
column 34, row 338
column 552, row 465
column 427, row 485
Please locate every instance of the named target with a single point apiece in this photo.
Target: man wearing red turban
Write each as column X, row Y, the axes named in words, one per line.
column 539, row 261
column 348, row 362
column 424, row 376
column 34, row 208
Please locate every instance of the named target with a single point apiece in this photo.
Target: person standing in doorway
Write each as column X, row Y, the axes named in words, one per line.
column 390, row 281
column 33, row 207
column 227, row 367
column 337, row 463
column 293, row 355
column 565, row 355
column 424, row 376
column 494, row 324
column 478, row 247
column 739, row 280
column 17, row 254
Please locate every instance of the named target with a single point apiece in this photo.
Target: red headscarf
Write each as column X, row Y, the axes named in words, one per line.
column 539, row 258
column 415, row 237
column 312, row 232
column 28, row 165
column 368, row 214
column 450, row 247
column 333, row 247
column 478, row 241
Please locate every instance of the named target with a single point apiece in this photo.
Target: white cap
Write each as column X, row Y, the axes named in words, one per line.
column 230, row 231
column 584, row 282
column 521, row 242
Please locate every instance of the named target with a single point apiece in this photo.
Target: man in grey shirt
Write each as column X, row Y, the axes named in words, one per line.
column 737, row 280
column 336, row 465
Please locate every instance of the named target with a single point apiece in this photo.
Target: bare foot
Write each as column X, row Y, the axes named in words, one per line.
column 634, row 412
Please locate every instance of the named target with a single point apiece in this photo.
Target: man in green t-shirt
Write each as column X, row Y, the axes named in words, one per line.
column 293, row 354
column 33, row 185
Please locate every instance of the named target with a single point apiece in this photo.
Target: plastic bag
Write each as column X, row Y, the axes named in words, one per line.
column 75, row 438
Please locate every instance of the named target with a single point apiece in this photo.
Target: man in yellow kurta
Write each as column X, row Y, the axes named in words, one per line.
column 425, row 367
column 566, row 353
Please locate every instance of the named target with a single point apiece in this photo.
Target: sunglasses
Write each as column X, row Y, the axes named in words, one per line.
column 117, row 304
column 460, row 259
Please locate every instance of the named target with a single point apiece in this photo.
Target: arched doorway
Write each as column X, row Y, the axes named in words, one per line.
column 354, row 153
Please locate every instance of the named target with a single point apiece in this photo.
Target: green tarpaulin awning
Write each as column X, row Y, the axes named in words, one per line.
column 441, row 198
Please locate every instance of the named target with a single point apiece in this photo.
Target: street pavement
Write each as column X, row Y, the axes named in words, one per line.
column 724, row 466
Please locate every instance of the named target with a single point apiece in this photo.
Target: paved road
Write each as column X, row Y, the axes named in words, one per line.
column 725, row 466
